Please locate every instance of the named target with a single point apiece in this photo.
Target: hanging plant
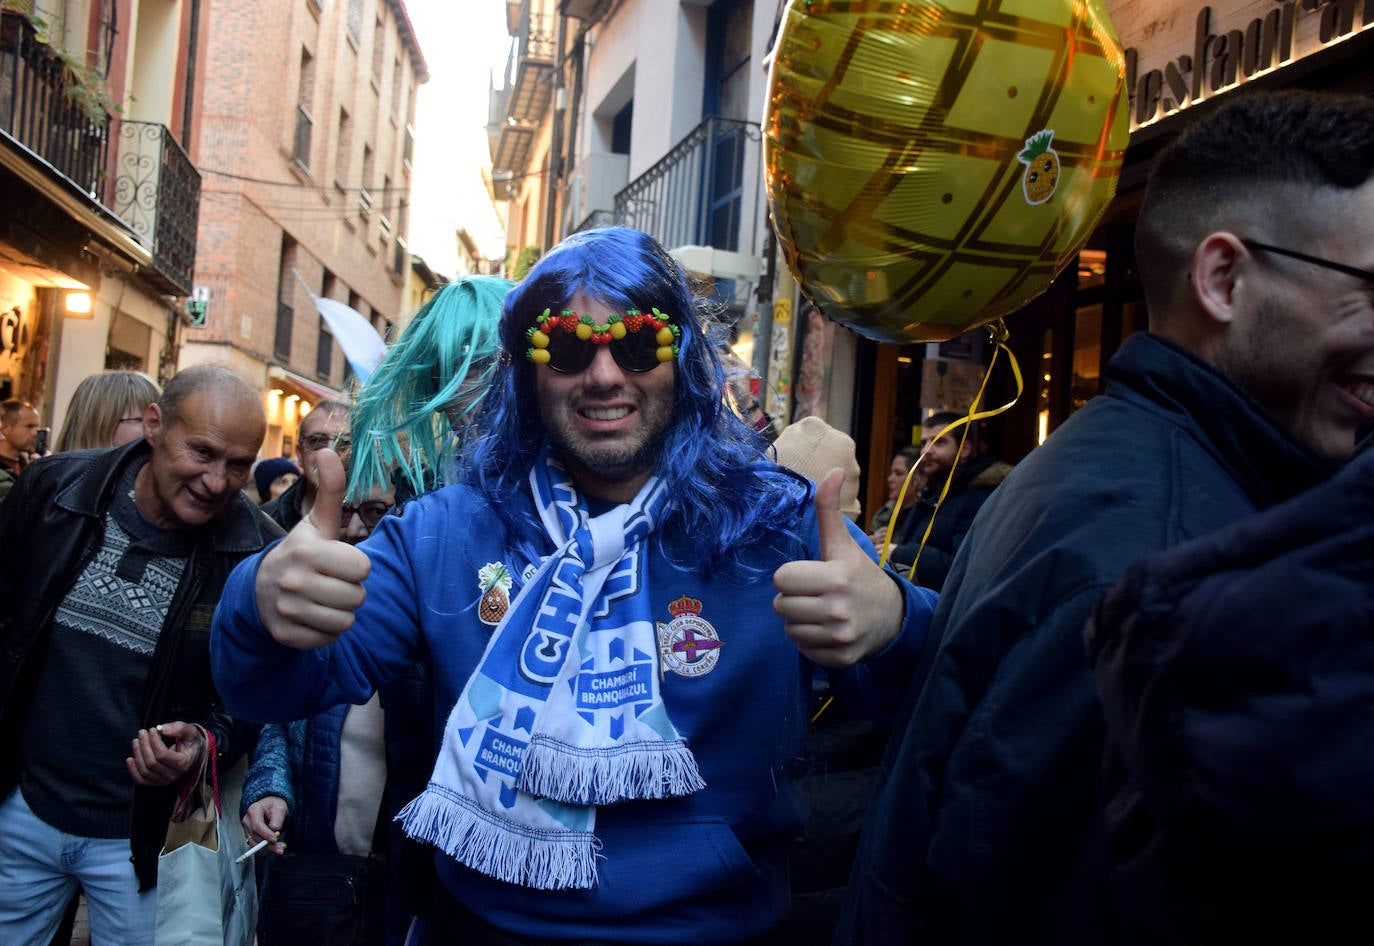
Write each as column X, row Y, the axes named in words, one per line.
column 524, row 261
column 82, row 85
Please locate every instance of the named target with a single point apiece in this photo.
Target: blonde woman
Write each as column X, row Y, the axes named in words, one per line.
column 106, row 410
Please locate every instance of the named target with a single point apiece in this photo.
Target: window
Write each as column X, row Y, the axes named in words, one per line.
column 726, row 93
column 620, row 128
column 378, row 49
column 343, row 148
column 304, row 123
column 306, row 94
column 324, row 348
column 281, row 345
column 397, row 85
column 301, row 149
column 383, row 220
column 356, row 303
column 364, row 195
column 355, row 19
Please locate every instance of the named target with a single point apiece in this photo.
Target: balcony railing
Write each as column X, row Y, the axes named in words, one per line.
column 537, row 36
column 531, row 88
column 37, row 111
column 697, row 193
column 157, row 193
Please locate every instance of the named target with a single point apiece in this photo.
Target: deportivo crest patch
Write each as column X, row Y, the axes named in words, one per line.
column 687, row 645
column 494, row 581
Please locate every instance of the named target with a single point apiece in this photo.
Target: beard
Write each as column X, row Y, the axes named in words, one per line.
column 616, row 458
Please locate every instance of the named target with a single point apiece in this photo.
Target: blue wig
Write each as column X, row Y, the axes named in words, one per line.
column 429, row 384
column 726, row 496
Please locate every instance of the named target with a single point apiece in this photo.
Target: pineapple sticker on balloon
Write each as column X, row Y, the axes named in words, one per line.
column 1042, row 167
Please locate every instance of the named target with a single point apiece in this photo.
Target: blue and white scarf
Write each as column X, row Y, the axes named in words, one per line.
column 563, row 713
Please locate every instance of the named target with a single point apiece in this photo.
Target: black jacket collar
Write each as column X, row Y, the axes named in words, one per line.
column 1259, row 454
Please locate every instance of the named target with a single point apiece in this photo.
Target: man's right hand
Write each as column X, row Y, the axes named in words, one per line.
column 264, row 821
column 310, row 584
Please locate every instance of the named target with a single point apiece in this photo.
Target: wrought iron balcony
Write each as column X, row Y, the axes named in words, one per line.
column 534, row 61
column 39, row 110
column 157, row 193
column 697, row 193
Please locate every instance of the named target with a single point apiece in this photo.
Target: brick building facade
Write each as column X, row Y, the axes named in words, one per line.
column 306, row 148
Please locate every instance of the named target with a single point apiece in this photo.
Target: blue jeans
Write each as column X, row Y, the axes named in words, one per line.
column 40, row 868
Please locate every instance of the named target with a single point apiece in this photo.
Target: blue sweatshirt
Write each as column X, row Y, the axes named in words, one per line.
column 710, row 867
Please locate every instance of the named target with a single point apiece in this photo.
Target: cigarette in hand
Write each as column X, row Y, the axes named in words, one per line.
column 252, row 850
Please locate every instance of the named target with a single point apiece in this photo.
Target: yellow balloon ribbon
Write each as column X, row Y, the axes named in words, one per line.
column 999, row 334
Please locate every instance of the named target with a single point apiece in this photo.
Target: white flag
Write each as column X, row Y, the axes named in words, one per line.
column 361, row 344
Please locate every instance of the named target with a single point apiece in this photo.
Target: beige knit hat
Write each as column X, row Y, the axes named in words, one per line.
column 813, row 448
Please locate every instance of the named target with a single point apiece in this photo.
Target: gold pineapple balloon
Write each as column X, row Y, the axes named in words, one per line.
column 932, row 167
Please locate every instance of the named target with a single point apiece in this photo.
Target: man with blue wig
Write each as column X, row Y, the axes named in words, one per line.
column 622, row 602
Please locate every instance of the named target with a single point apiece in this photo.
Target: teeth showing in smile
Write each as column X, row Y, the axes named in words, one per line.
column 605, row 413
column 1363, row 391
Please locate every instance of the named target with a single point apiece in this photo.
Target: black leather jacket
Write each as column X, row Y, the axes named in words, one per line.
column 50, row 525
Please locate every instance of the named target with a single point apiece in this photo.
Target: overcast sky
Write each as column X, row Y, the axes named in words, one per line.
column 464, row 44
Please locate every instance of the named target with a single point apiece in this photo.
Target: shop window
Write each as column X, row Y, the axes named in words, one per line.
column 1042, row 388
column 1087, row 356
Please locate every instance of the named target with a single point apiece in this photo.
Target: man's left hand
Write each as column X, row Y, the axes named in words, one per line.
column 164, row 754
column 842, row 608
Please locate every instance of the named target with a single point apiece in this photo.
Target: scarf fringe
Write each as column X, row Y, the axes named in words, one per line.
column 497, row 847
column 603, row 775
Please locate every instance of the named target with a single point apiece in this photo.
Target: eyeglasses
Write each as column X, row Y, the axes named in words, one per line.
column 638, row 342
column 320, row 441
column 1366, row 274
column 370, row 512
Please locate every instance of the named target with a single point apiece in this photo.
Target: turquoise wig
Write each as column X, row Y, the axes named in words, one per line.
column 726, row 496
column 430, row 384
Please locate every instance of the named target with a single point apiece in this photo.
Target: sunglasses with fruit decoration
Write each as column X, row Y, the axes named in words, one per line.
column 638, row 342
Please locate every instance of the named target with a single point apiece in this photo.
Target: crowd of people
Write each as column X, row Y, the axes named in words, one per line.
column 543, row 637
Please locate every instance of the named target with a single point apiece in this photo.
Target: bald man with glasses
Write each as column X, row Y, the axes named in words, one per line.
column 325, row 426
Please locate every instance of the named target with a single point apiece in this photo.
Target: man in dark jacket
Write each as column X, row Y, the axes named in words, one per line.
column 1236, row 674
column 111, row 564
column 974, row 479
column 1254, row 244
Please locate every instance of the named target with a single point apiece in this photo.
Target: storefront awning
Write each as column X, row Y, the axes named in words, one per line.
column 292, row 383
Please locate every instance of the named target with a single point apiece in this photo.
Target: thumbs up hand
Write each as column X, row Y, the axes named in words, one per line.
column 842, row 608
column 310, row 584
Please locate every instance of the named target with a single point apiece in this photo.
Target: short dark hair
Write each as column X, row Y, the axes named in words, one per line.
column 324, row 409
column 942, row 419
column 10, row 409
column 1260, row 156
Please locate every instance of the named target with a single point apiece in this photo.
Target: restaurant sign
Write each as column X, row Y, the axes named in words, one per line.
column 1167, row 69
